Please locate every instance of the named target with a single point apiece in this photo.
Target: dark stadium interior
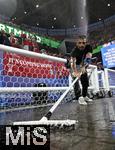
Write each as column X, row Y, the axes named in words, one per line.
column 46, row 28
column 67, row 12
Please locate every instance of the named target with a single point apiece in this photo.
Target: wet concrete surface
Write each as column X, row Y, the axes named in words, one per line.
column 95, row 129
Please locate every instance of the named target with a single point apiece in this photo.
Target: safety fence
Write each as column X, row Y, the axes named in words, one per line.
column 31, row 79
column 106, row 80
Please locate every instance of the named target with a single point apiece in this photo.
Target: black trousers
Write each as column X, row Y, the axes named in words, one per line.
column 85, row 83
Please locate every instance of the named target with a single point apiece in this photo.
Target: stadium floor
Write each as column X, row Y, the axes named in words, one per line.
column 95, row 130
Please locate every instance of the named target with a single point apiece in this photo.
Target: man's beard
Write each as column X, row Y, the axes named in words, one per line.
column 82, row 48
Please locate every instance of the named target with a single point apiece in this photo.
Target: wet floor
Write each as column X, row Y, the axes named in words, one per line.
column 95, row 129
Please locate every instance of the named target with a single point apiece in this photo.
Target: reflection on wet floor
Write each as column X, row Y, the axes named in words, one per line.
column 95, row 130
column 113, row 130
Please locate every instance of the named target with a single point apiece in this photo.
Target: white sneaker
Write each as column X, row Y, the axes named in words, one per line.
column 82, row 101
column 87, row 99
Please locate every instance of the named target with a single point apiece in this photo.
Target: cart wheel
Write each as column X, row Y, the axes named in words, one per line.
column 93, row 95
column 90, row 95
column 99, row 94
column 110, row 93
column 103, row 93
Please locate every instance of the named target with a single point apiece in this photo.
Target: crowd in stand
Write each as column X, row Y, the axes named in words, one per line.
column 26, row 43
column 28, row 28
column 102, row 35
column 97, row 37
column 23, row 42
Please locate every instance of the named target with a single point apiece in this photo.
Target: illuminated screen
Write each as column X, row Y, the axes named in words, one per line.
column 108, row 55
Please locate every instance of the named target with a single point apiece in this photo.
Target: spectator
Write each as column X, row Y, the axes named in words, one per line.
column 27, row 44
column 6, row 40
column 13, row 40
column 1, row 37
column 35, row 47
column 43, row 51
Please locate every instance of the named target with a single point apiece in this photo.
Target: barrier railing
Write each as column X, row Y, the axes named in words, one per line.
column 106, row 80
column 28, row 78
column 109, row 79
column 101, row 80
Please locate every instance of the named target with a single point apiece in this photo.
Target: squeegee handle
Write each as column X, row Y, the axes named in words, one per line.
column 48, row 115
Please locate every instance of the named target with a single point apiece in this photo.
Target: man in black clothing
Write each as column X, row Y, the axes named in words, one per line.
column 4, row 39
column 1, row 37
column 81, row 56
